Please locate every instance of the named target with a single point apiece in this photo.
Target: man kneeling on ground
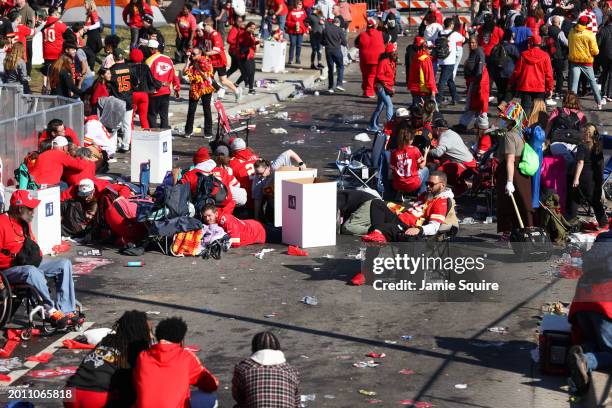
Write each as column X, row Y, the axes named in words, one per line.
column 241, row 232
column 21, row 261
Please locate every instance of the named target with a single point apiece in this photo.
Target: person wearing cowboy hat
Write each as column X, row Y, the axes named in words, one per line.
column 21, row 262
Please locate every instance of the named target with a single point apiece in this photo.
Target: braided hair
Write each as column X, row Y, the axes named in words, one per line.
column 265, row 341
column 131, row 336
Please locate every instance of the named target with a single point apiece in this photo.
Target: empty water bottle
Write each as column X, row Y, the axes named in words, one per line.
column 308, row 397
column 310, row 300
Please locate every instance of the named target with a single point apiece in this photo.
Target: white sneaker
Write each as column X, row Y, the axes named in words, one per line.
column 220, row 93
column 331, row 91
column 491, row 98
column 188, row 135
column 551, row 102
column 604, row 101
column 238, row 94
column 341, row 89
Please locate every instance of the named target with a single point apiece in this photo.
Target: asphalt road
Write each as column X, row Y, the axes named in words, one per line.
column 225, row 302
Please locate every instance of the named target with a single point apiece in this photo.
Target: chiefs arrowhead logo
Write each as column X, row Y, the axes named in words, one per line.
column 162, row 68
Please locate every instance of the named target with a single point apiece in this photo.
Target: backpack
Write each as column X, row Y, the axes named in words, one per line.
column 24, row 179
column 566, row 128
column 29, row 254
column 499, row 56
column 441, row 48
column 209, row 190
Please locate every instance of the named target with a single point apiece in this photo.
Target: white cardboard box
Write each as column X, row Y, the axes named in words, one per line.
column 47, row 222
column 286, row 173
column 155, row 146
column 309, row 212
column 273, row 56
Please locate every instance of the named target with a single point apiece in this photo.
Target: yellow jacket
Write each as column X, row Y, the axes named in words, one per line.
column 582, row 46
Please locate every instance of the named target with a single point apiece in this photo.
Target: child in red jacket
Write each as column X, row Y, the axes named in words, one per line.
column 384, row 84
column 164, row 373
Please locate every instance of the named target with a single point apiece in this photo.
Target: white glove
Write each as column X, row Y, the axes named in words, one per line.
column 509, row 188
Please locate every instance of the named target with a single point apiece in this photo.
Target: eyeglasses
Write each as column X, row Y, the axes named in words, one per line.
column 430, row 184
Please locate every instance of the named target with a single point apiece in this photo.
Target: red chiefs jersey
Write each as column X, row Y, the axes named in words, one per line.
column 243, row 232
column 162, row 69
column 21, row 33
column 53, row 40
column 214, row 42
column 242, row 166
column 404, row 163
column 426, row 209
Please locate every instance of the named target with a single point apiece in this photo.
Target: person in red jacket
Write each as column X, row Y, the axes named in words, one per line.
column 489, row 35
column 532, row 77
column 53, row 42
column 234, row 48
column 133, row 13
column 51, row 164
column 164, row 373
column 162, row 69
column 56, row 128
column 371, row 45
column 433, row 9
column 215, row 50
column 421, row 77
column 86, row 190
column 248, row 44
column 73, row 177
column 296, row 28
column 385, row 85
column 241, row 232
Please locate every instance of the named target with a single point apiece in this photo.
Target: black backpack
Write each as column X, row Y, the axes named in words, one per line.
column 441, row 47
column 209, row 190
column 566, row 128
column 499, row 56
column 29, row 254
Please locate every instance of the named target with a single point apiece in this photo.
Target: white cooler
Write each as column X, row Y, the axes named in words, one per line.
column 274, row 56
column 156, row 147
column 47, row 222
column 286, row 173
column 309, row 212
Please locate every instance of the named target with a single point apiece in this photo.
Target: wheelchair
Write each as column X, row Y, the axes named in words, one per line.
column 12, row 296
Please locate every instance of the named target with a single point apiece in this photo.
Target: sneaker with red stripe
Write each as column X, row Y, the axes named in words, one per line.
column 374, row 236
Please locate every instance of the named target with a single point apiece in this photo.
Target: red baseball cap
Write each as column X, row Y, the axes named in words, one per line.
column 136, row 55
column 419, row 41
column 584, row 20
column 391, row 47
column 201, row 155
column 23, row 198
column 371, row 22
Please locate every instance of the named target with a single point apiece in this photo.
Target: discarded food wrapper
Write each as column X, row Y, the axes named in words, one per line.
column 260, row 254
column 310, row 300
column 373, row 401
column 366, row 364
column 282, row 116
column 390, row 341
column 278, row 131
column 308, row 397
column 362, row 137
column 329, row 256
column 295, row 251
column 367, row 393
column 194, row 348
column 329, row 396
column 406, row 337
column 461, row 386
column 5, row 378
column 270, row 315
column 498, row 329
column 406, row 371
column 153, row 312
column 376, row 355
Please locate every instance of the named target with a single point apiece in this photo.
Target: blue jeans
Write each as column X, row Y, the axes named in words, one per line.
column 334, row 57
column 295, row 43
column 384, row 100
column 575, row 71
column 281, row 20
column 597, row 330
column 59, row 269
column 200, row 399
column 446, row 77
column 423, row 176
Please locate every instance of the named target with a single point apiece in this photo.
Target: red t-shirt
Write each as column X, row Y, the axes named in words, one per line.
column 283, row 5
column 214, row 42
column 243, row 232
column 186, row 24
column 53, row 39
column 404, row 163
column 11, row 239
column 70, row 135
column 242, row 165
column 23, row 31
column 92, row 18
column 51, row 164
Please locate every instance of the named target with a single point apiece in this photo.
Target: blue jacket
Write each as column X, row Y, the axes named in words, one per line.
column 521, row 34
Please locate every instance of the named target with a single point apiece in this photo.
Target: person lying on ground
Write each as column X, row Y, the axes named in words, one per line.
column 21, row 262
column 241, row 232
column 104, row 377
column 164, row 373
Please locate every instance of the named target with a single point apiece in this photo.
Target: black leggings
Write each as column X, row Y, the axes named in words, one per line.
column 158, row 106
column 193, row 105
column 588, row 190
column 248, row 72
column 235, row 66
column 385, row 220
column 606, row 77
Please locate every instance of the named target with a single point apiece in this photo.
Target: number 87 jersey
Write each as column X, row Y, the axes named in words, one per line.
column 121, row 85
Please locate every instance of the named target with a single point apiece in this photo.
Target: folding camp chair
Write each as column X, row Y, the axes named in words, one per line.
column 224, row 126
column 355, row 167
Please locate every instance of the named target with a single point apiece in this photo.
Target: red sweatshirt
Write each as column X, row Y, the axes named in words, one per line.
column 488, row 41
column 11, row 239
column 53, row 40
column 51, row 165
column 247, row 41
column 72, row 177
column 371, row 45
column 295, row 21
column 135, row 20
column 243, row 232
column 70, row 135
column 533, row 71
column 162, row 69
column 422, row 79
column 385, row 73
column 232, row 40
column 163, row 374
column 214, row 42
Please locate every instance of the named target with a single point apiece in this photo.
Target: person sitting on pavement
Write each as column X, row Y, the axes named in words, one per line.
column 164, row 373
column 21, row 262
column 204, row 165
column 455, row 157
column 265, row 379
column 424, row 218
column 241, row 232
column 262, row 188
column 52, row 164
column 408, row 165
column 222, row 158
column 104, row 377
column 56, row 128
column 242, row 163
column 72, row 177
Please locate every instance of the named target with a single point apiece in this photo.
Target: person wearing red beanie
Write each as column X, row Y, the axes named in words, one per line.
column 143, row 83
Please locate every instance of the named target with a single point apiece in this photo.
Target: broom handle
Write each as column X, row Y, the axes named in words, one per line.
column 518, row 214
column 553, row 215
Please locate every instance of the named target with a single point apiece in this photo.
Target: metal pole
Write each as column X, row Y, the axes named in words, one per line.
column 409, row 14
column 112, row 6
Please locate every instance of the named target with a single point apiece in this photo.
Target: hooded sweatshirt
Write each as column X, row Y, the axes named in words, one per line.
column 422, row 78
column 371, row 45
column 582, row 46
column 164, row 373
column 533, row 72
column 429, row 212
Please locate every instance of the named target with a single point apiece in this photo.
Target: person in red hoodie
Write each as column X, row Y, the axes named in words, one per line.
column 56, row 128
column 489, row 35
column 73, row 177
column 52, row 164
column 165, row 372
column 296, row 28
column 248, row 44
column 371, row 45
column 133, row 13
column 162, row 69
column 241, row 232
column 532, row 77
column 215, row 50
column 385, row 85
column 233, row 46
column 421, row 77
column 53, row 42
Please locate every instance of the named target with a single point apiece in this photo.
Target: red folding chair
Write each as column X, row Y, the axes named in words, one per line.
column 224, row 127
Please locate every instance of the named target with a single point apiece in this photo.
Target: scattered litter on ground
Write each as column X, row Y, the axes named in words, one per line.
column 85, row 265
column 535, row 355
column 194, row 348
column 153, row 312
column 304, row 356
column 295, row 251
column 41, row 358
column 53, row 372
column 310, row 300
column 135, row 264
column 390, row 341
column 467, row 221
column 376, row 355
column 556, row 308
column 373, row 401
column 367, row 393
column 461, row 386
column 329, row 396
column 271, row 315
column 308, row 397
column 416, row 404
column 406, row 371
column 282, row 116
column 9, row 364
column 498, row 329
column 260, row 254
column 484, row 344
column 362, row 137
column 278, row 131
column 358, row 256
column 90, row 252
column 343, row 357
column 294, row 142
column 366, row 364
column 329, row 256
column 406, row 338
column 5, row 378
column 77, row 345
column 570, row 272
